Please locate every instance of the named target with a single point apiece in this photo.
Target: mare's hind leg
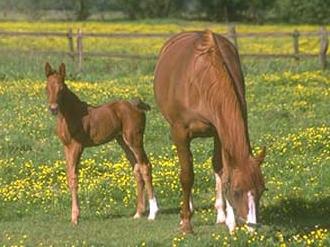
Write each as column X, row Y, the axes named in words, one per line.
column 180, row 137
column 142, row 168
column 140, row 202
column 72, row 154
column 217, row 167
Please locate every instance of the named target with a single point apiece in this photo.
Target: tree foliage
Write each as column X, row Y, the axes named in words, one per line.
column 299, row 11
column 257, row 11
column 149, row 8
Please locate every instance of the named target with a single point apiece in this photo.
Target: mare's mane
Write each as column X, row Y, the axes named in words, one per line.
column 225, row 87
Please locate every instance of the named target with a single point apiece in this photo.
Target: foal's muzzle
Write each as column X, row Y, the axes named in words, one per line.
column 53, row 109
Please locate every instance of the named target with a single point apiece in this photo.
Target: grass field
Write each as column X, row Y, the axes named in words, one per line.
column 289, row 112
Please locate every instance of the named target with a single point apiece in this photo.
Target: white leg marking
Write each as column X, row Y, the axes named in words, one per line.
column 252, row 214
column 221, row 216
column 153, row 208
column 191, row 206
column 137, row 216
column 230, row 219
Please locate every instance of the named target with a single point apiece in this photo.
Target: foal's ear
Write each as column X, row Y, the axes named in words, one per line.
column 261, row 156
column 48, row 69
column 62, row 70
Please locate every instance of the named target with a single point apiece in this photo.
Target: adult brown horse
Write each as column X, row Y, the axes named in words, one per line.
column 80, row 125
column 199, row 88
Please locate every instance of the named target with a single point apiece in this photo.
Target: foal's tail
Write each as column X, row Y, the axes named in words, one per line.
column 140, row 104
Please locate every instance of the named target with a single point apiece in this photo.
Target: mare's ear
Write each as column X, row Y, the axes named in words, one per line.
column 62, row 70
column 261, row 156
column 48, row 69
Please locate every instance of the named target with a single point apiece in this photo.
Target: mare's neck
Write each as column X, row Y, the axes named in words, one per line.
column 234, row 136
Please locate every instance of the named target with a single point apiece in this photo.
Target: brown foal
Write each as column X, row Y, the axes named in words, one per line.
column 80, row 125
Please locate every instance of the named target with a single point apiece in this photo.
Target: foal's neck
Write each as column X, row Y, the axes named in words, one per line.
column 71, row 106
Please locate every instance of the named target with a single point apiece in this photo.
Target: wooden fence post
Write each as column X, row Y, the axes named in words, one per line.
column 324, row 42
column 80, row 50
column 70, row 43
column 295, row 36
column 232, row 35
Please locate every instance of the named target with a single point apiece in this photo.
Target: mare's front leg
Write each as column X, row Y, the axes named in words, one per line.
column 180, row 137
column 73, row 153
column 217, row 168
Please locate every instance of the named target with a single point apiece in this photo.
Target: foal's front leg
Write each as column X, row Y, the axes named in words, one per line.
column 73, row 153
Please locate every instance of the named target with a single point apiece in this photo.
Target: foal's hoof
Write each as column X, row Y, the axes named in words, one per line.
column 152, row 216
column 185, row 227
column 137, row 216
column 153, row 212
column 74, row 222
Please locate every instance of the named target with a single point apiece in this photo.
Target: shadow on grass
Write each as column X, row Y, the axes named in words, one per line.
column 169, row 210
column 298, row 214
column 292, row 216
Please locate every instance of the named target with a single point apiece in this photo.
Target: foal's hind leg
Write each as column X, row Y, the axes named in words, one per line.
column 142, row 168
column 72, row 154
column 140, row 204
column 217, row 167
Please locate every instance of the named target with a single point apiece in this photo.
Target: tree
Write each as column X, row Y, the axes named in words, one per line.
column 222, row 10
column 303, row 11
column 149, row 8
column 82, row 10
column 257, row 9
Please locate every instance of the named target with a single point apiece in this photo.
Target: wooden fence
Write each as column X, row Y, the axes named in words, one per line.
column 77, row 53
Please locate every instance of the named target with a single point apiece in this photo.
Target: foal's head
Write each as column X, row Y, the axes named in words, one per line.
column 243, row 189
column 55, row 86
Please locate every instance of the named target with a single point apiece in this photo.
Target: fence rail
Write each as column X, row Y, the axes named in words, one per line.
column 77, row 53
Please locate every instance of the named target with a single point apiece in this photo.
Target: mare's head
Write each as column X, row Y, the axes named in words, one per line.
column 243, row 188
column 55, row 86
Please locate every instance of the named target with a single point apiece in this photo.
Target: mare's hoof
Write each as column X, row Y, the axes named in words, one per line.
column 220, row 222
column 185, row 227
column 221, row 218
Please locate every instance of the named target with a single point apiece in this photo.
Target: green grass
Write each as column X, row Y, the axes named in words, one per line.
column 288, row 107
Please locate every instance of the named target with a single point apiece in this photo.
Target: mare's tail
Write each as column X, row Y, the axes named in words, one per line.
column 140, row 104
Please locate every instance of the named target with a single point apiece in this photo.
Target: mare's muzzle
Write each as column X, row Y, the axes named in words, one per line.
column 241, row 221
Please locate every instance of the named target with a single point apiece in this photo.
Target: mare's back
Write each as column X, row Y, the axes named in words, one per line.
column 191, row 69
column 171, row 69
